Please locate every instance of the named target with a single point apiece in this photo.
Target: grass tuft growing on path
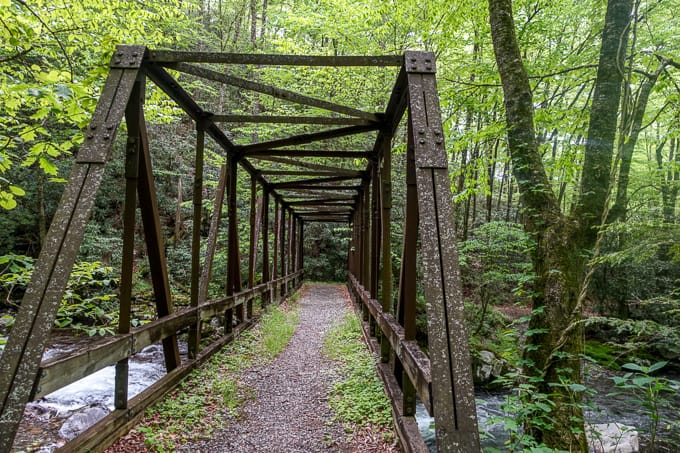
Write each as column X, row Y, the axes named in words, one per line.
column 195, row 409
column 359, row 397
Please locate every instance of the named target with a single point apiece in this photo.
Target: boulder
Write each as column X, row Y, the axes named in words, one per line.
column 612, row 438
column 82, row 419
column 486, row 368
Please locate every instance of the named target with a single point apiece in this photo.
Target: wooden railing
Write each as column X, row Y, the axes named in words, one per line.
column 415, row 363
column 66, row 369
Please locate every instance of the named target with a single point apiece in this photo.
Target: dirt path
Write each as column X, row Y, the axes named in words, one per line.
column 289, row 409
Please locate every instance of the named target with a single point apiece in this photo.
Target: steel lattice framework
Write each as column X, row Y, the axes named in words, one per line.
column 302, row 192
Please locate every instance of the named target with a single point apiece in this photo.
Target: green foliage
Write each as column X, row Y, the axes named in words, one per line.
column 197, row 407
column 278, row 326
column 496, row 262
column 326, row 252
column 652, row 392
column 642, row 338
column 89, row 303
column 358, row 397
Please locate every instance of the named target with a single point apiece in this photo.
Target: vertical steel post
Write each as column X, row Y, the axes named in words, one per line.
column 233, row 265
column 386, row 224
column 406, row 306
column 195, row 329
column 452, row 388
column 132, row 114
column 266, row 275
column 277, row 238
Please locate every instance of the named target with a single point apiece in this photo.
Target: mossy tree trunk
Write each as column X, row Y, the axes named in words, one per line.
column 563, row 241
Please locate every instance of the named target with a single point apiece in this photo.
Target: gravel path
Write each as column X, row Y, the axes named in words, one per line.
column 289, row 410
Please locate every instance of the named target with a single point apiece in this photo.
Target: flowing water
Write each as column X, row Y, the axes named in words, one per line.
column 61, row 415
column 602, row 407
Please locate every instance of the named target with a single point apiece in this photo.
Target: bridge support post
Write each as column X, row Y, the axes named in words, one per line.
column 197, row 200
column 452, row 388
column 266, row 276
column 385, row 239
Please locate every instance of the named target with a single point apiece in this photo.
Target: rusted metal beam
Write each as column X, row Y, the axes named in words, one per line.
column 453, row 391
column 352, row 173
column 325, row 187
column 279, row 93
column 197, row 200
column 261, row 154
column 174, row 56
column 132, row 116
column 21, row 358
column 275, row 119
column 310, row 165
column 341, row 201
column 303, row 139
column 266, row 275
column 153, row 236
column 206, row 271
column 292, row 184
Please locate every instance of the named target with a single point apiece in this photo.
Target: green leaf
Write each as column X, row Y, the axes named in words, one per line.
column 643, row 381
column 18, row 191
column 577, row 387
column 657, row 366
column 633, row 366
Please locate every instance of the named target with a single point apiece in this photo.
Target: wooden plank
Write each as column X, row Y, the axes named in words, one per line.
column 275, row 119
column 174, row 56
column 453, row 393
column 415, row 363
column 21, row 358
column 325, row 187
column 303, row 139
column 410, row 439
column 279, row 93
column 105, row 432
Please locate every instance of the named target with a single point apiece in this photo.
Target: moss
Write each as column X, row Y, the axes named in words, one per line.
column 602, row 353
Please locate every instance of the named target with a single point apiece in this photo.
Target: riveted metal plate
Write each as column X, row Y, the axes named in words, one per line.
column 98, row 142
column 430, row 150
column 126, row 57
column 419, row 62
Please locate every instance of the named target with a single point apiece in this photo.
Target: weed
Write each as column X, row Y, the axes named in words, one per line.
column 359, row 398
column 196, row 408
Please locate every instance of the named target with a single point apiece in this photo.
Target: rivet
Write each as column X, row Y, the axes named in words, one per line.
column 43, row 373
column 437, row 133
column 109, row 127
column 134, row 54
column 90, row 137
column 93, row 127
column 427, row 60
column 106, row 137
column 120, row 54
column 413, row 60
column 428, row 68
column 421, row 132
column 422, row 142
column 117, row 60
column 38, row 390
column 439, row 142
column 413, row 68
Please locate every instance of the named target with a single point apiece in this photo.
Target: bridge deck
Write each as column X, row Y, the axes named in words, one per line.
column 288, row 407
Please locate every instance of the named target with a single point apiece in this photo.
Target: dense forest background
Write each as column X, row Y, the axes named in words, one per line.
column 53, row 61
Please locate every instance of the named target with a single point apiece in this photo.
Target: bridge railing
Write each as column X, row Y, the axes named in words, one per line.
column 65, row 369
